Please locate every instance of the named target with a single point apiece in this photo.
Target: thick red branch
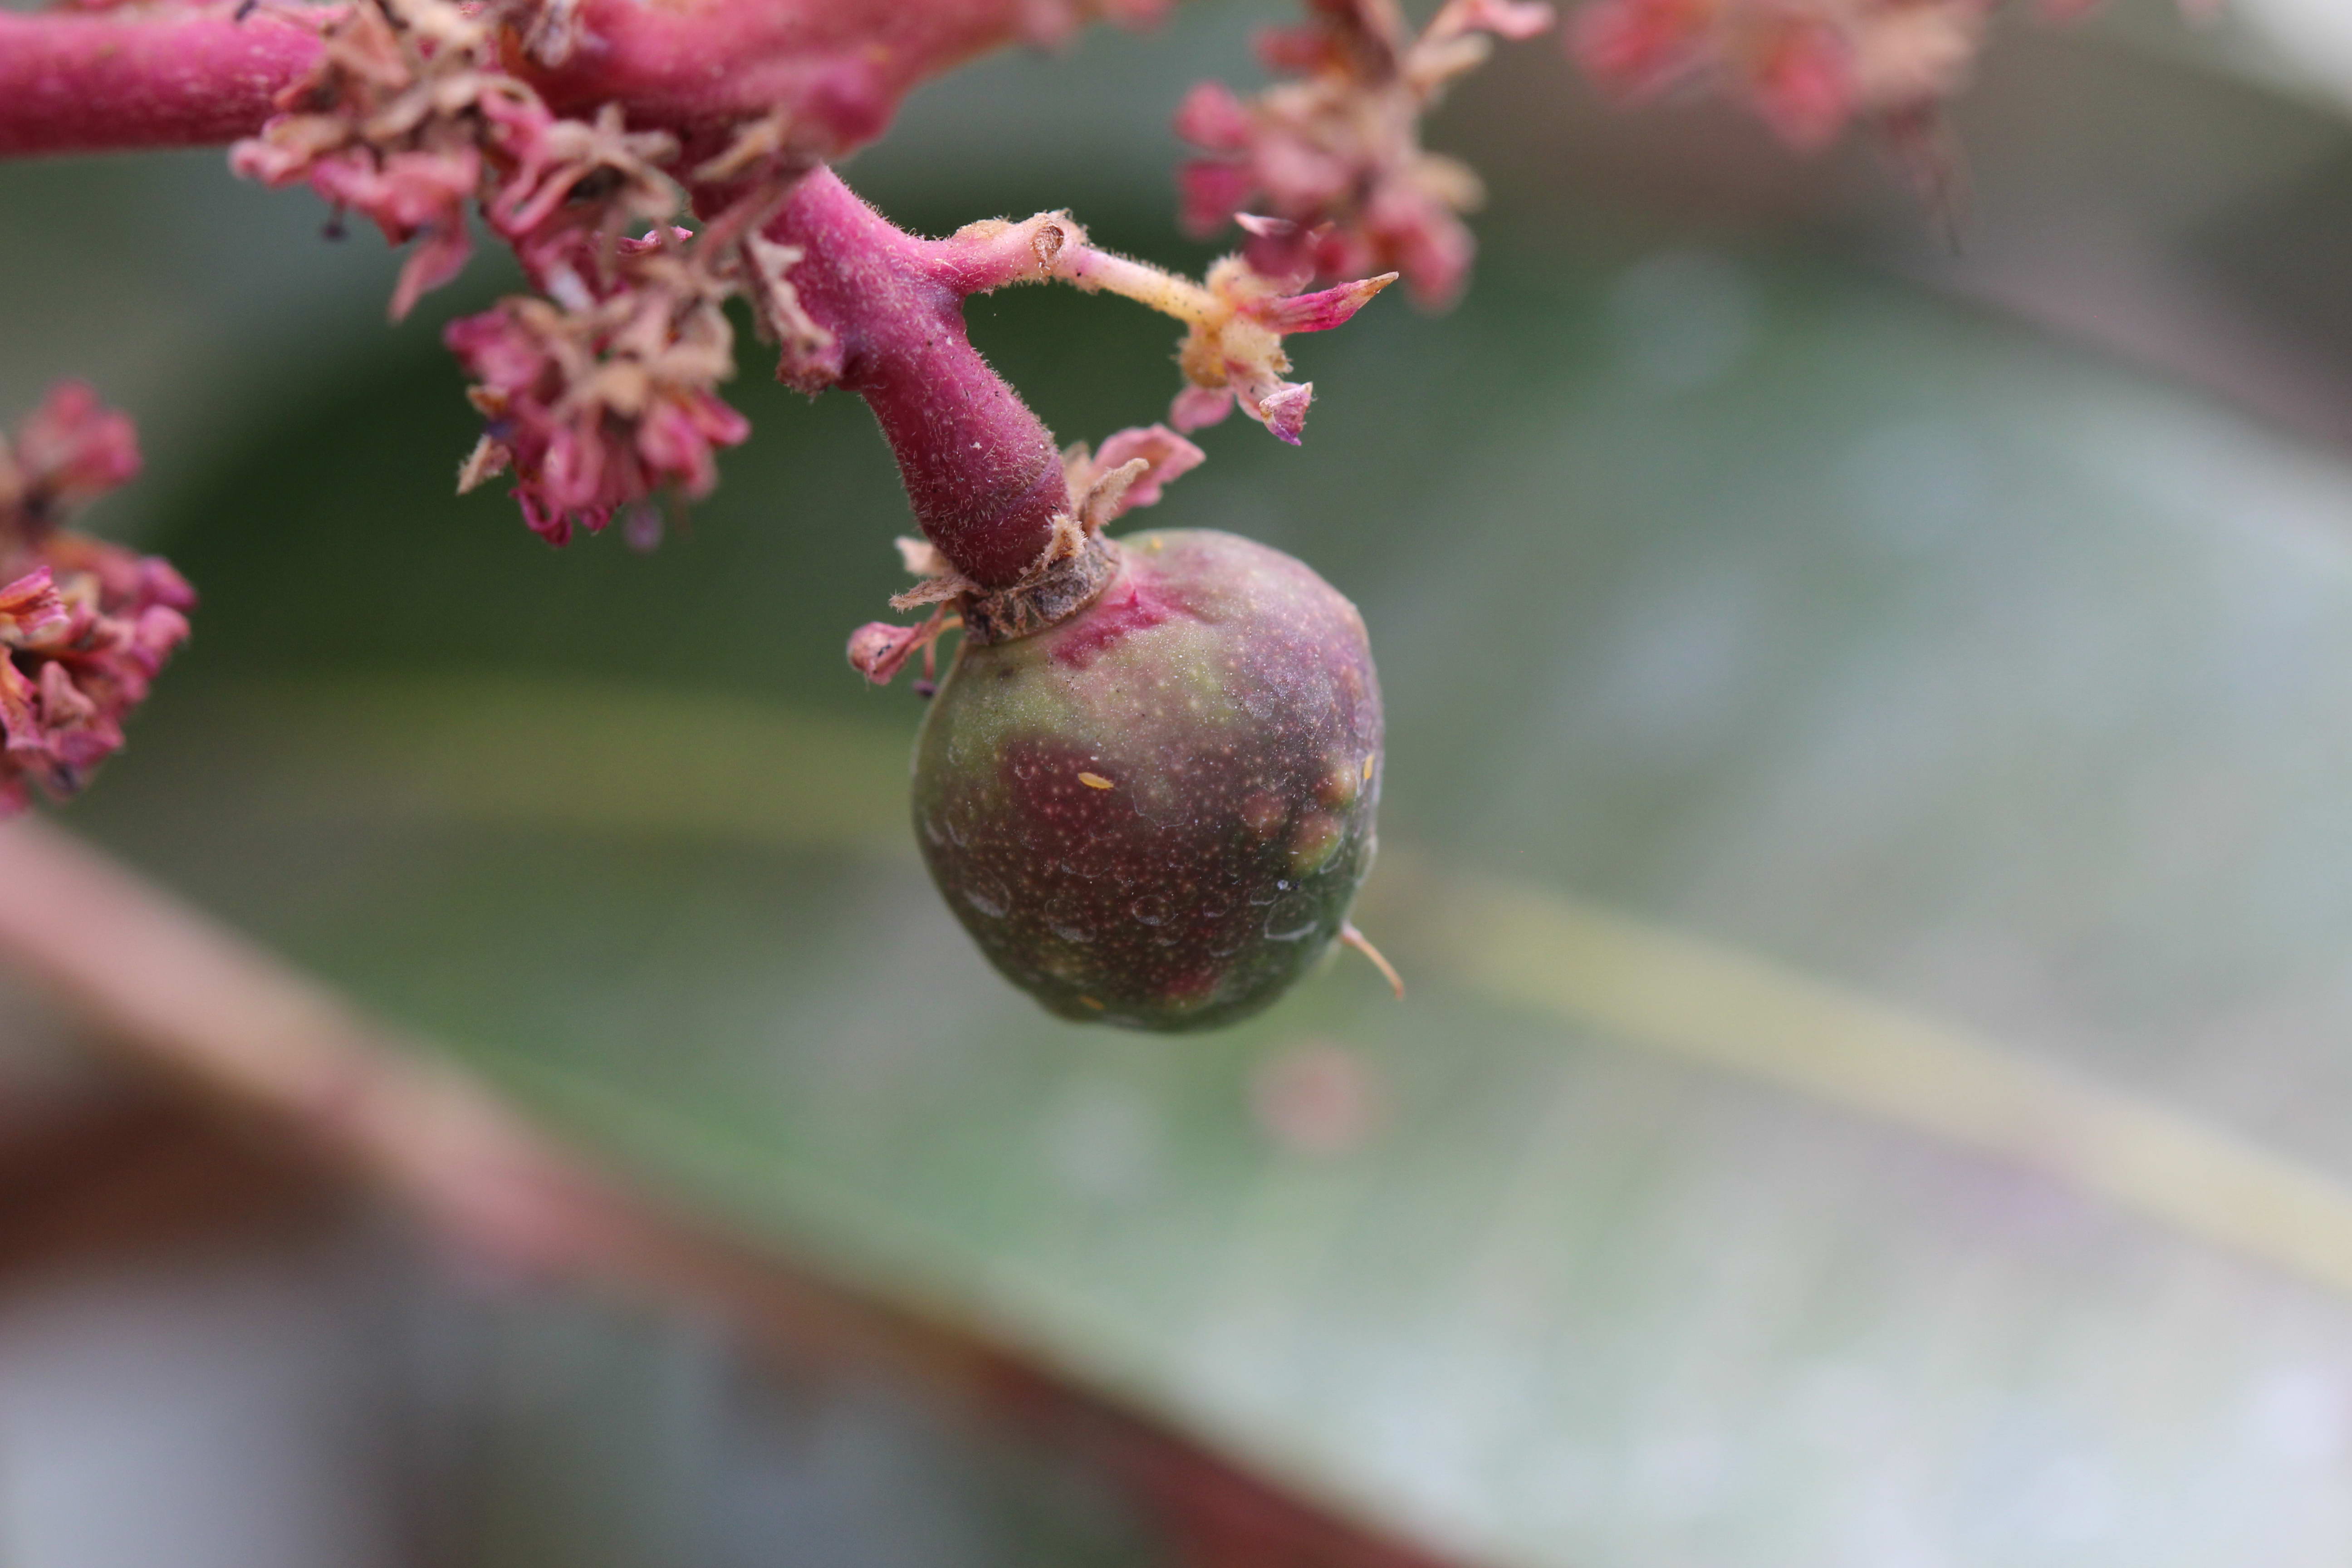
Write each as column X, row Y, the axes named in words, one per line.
column 837, row 69
column 981, row 471
column 82, row 81
column 174, row 75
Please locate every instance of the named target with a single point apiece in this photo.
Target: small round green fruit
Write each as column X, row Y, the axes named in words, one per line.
column 1158, row 812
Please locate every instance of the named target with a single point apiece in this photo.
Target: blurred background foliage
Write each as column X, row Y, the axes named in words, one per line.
column 1867, row 826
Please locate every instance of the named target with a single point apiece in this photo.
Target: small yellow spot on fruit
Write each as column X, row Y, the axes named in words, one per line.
column 1090, row 1001
column 1318, row 837
column 1094, row 781
column 1368, row 768
column 1155, row 544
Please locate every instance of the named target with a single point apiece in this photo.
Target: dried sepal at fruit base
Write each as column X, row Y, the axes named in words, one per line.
column 85, row 626
column 1131, row 470
column 1335, row 152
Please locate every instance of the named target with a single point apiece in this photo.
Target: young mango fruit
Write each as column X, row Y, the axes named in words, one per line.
column 1158, row 812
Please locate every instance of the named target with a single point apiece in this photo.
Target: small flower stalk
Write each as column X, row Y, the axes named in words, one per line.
column 1234, row 353
column 85, row 626
column 1236, row 319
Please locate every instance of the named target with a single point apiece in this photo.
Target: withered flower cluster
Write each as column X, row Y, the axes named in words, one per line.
column 598, row 390
column 84, row 625
column 1333, row 156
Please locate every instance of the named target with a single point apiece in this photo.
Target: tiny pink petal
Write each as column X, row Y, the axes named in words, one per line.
column 1213, row 118
column 550, row 525
column 439, row 256
column 878, row 650
column 1318, row 312
column 1284, row 411
column 1197, row 408
column 31, row 611
column 74, row 446
column 1210, row 190
column 1170, row 455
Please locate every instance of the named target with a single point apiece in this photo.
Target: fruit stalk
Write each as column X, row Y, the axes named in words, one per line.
column 983, row 472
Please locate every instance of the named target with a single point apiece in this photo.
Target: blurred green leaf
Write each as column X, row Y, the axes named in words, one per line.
column 1870, row 673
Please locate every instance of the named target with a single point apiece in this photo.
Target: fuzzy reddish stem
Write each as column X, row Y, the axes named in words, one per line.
column 837, row 68
column 981, row 471
column 82, row 81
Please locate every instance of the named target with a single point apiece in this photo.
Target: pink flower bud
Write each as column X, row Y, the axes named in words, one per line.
column 1284, row 411
column 878, row 650
column 74, row 449
column 1319, row 311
